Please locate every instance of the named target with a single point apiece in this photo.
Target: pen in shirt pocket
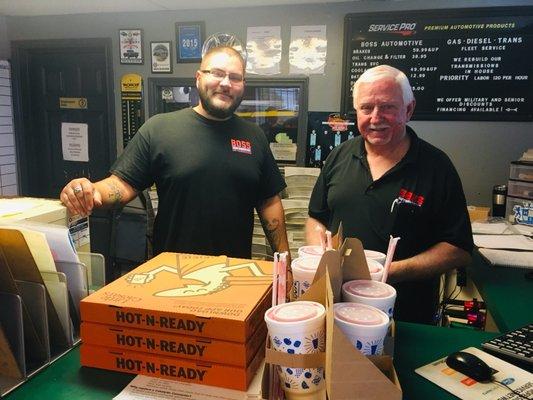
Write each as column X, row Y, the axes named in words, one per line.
column 407, row 197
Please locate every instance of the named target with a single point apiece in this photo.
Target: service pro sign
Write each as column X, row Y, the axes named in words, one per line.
column 75, row 142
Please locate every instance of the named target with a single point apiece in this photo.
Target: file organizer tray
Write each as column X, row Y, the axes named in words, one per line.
column 95, row 264
column 77, row 285
column 20, row 362
column 56, row 285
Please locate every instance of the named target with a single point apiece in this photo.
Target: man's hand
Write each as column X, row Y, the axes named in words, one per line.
column 80, row 196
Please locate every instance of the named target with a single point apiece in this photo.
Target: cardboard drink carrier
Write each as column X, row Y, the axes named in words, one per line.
column 349, row 373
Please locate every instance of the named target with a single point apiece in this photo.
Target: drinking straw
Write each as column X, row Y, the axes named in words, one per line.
column 282, row 278
column 329, row 245
column 275, row 280
column 321, row 236
column 390, row 256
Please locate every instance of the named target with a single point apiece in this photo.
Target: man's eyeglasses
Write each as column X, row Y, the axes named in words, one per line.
column 219, row 75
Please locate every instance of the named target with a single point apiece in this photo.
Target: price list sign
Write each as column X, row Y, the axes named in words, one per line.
column 468, row 64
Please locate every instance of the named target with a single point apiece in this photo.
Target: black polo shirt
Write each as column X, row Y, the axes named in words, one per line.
column 209, row 176
column 420, row 199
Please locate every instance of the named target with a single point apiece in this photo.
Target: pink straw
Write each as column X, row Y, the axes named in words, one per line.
column 282, row 278
column 275, row 280
column 390, row 256
column 329, row 245
column 321, row 236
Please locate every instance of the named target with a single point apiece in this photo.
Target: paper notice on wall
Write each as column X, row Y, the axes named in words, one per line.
column 75, row 141
column 263, row 45
column 308, row 49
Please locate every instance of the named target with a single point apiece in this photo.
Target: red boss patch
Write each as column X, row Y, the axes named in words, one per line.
column 241, row 146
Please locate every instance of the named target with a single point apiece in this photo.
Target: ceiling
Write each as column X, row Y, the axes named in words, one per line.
column 62, row 7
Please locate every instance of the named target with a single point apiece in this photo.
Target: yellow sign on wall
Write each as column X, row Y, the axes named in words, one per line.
column 73, row 102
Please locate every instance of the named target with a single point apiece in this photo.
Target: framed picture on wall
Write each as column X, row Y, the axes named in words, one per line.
column 131, row 46
column 161, row 58
column 190, row 38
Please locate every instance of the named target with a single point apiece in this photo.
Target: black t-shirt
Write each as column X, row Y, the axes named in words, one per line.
column 374, row 210
column 209, row 177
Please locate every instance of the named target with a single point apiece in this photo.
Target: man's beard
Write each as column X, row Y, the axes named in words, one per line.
column 218, row 112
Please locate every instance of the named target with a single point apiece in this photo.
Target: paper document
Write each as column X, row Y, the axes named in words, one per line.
column 468, row 389
column 148, row 388
column 489, row 229
column 506, row 258
column 510, row 242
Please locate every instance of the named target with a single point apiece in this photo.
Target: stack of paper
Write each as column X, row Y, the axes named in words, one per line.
column 261, row 249
column 506, row 250
column 300, row 183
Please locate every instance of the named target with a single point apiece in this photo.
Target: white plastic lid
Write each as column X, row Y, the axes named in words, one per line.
column 309, row 263
column 297, row 311
column 374, row 254
column 311, row 250
column 359, row 314
column 373, row 266
column 365, row 288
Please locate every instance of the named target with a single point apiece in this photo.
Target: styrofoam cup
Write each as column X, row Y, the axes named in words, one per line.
column 299, row 328
column 376, row 255
column 303, row 273
column 312, row 250
column 377, row 294
column 364, row 325
column 375, row 269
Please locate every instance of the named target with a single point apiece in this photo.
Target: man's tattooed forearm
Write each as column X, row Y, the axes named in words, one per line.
column 272, row 232
column 115, row 195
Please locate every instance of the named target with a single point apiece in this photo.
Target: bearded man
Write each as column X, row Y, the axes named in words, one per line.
column 211, row 169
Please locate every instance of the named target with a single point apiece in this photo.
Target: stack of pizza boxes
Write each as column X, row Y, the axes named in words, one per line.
column 185, row 317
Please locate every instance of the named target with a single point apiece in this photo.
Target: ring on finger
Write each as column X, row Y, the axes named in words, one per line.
column 77, row 189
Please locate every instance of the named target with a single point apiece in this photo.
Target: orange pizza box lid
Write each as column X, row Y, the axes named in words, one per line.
column 206, row 296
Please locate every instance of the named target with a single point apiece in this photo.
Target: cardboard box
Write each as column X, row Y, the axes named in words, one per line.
column 173, row 368
column 204, row 296
column 46, row 211
column 349, row 374
column 173, row 345
column 478, row 213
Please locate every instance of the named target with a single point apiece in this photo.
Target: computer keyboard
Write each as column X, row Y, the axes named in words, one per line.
column 515, row 345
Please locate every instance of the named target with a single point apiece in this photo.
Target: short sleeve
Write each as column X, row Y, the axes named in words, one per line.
column 134, row 165
column 452, row 214
column 318, row 204
column 272, row 183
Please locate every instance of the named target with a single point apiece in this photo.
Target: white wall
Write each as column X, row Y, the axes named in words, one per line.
column 8, row 168
column 4, row 43
column 481, row 151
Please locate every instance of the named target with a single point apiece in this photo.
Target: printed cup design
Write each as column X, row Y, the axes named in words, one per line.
column 298, row 328
column 376, row 255
column 306, row 251
column 377, row 294
column 375, row 269
column 365, row 326
column 303, row 273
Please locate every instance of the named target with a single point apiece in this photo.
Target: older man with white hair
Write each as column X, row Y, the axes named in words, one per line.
column 388, row 181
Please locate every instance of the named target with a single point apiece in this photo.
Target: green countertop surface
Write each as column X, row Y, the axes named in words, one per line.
column 509, row 297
